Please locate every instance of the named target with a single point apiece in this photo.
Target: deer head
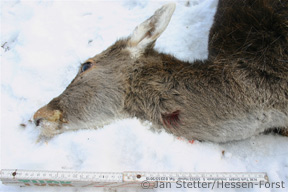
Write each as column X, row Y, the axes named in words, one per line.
column 98, row 93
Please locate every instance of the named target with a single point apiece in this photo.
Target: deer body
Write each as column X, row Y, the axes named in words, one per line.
column 241, row 90
column 217, row 99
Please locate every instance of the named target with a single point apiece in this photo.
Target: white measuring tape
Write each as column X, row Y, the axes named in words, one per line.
column 123, row 179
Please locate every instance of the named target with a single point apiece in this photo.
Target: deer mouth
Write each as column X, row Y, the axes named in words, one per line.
column 49, row 121
column 49, row 129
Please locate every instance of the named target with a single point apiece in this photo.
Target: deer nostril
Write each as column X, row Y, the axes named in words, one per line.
column 38, row 121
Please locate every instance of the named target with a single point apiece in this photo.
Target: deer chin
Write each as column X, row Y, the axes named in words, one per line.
column 49, row 129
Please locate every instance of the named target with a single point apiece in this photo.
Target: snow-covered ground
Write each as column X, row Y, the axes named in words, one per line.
column 42, row 46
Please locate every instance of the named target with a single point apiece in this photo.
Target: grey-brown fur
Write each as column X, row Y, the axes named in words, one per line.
column 241, row 90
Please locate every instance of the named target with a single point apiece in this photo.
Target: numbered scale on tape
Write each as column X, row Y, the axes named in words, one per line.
column 148, row 180
column 124, row 179
column 59, row 178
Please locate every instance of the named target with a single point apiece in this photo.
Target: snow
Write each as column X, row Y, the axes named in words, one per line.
column 43, row 44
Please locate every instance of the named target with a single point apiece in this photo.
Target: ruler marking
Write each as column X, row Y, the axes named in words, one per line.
column 104, row 179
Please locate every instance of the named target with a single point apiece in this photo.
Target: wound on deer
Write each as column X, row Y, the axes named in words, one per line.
column 172, row 119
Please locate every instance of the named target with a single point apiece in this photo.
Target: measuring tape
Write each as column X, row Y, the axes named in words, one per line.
column 120, row 179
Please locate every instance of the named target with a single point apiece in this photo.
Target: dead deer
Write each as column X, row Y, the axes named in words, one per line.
column 238, row 92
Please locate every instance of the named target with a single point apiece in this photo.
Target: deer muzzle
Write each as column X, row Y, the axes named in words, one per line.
column 47, row 114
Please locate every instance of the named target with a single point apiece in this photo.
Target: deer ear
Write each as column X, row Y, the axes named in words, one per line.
column 147, row 32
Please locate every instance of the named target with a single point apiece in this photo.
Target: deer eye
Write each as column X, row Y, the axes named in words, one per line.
column 86, row 66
